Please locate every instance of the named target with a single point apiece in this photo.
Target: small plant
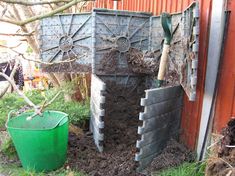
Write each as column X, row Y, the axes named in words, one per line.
column 8, row 148
column 14, row 170
column 186, row 169
column 78, row 111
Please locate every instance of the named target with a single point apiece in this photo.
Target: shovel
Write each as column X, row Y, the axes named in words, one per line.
column 166, row 25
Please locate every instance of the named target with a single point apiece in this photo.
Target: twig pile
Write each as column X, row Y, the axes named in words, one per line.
column 224, row 162
column 109, row 62
column 139, row 62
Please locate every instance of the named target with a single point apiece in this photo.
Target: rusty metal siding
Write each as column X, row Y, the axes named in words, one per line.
column 192, row 110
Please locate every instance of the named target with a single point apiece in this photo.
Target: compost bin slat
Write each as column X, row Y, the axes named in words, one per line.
column 97, row 112
column 163, row 124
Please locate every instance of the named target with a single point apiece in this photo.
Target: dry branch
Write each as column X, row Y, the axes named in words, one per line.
column 38, row 60
column 44, row 105
column 11, row 77
column 32, row 3
column 50, row 63
column 51, row 101
column 27, row 100
column 38, row 17
column 17, row 34
column 37, row 109
column 10, row 47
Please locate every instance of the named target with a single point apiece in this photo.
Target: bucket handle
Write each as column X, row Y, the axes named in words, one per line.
column 11, row 112
column 10, row 115
column 58, row 123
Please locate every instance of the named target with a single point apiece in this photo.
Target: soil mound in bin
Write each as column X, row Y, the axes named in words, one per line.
column 172, row 155
column 121, row 123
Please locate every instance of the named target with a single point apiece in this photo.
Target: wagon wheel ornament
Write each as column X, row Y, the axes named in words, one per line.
column 120, row 41
column 67, row 45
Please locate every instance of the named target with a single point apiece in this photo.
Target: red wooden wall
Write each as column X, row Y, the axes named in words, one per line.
column 154, row 6
column 192, row 110
column 225, row 103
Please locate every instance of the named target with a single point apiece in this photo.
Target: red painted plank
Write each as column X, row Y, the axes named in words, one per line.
column 225, row 103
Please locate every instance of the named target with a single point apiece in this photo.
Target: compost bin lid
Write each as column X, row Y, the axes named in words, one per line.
column 48, row 120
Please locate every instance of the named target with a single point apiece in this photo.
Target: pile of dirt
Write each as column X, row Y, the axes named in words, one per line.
column 109, row 62
column 121, row 123
column 223, row 163
column 117, row 159
column 173, row 155
column 137, row 62
column 140, row 62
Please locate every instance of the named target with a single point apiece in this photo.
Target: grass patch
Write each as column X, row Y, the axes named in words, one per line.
column 78, row 112
column 186, row 169
column 8, row 149
column 14, row 170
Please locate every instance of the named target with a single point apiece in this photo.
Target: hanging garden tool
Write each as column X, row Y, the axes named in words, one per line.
column 166, row 25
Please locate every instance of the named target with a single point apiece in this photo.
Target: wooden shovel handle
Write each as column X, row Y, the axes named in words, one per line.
column 163, row 62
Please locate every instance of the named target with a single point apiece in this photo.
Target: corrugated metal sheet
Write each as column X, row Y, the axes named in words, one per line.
column 192, row 110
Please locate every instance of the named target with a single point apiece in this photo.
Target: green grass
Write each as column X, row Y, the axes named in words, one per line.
column 78, row 112
column 14, row 170
column 186, row 169
column 8, row 149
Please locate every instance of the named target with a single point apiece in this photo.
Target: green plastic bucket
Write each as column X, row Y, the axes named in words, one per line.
column 41, row 143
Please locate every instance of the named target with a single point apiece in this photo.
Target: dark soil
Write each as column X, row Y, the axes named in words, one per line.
column 121, row 122
column 173, row 155
column 223, row 163
column 118, row 157
column 115, row 160
column 139, row 62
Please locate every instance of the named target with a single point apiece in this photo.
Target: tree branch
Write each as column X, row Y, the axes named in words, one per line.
column 37, row 109
column 51, row 101
column 11, row 77
column 39, row 61
column 32, row 3
column 38, row 17
column 27, row 100
column 4, row 11
column 17, row 34
column 44, row 105
column 10, row 47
